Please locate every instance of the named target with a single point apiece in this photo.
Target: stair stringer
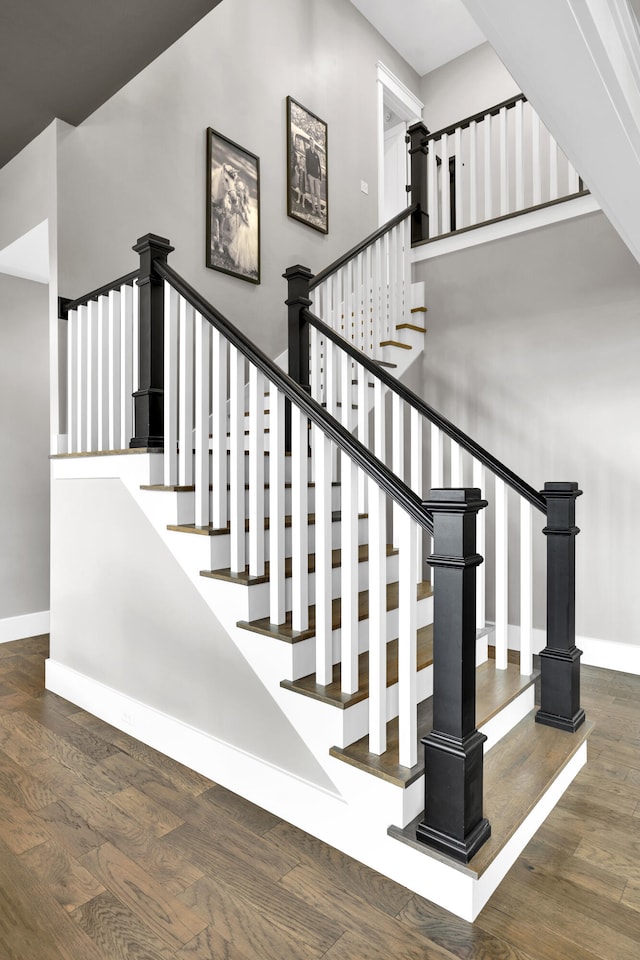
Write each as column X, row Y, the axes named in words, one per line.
column 353, row 813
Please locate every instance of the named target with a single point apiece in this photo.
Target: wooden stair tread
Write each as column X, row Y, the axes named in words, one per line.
column 386, row 363
column 332, row 693
column 418, row 310
column 247, row 580
column 210, row 531
column 396, row 343
column 529, row 758
column 411, row 326
column 494, row 690
column 285, row 631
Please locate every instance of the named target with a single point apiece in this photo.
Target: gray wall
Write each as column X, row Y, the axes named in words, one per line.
column 533, row 347
column 138, row 164
column 24, row 477
column 464, row 86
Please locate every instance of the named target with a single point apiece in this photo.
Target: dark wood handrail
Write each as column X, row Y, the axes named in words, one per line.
column 67, row 305
column 492, row 111
column 359, row 247
column 409, row 501
column 510, row 478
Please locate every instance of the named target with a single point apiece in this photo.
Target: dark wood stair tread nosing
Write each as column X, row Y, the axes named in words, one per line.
column 411, row 326
column 286, row 633
column 529, row 759
column 247, row 580
column 396, row 343
column 494, row 690
column 332, row 693
column 211, row 531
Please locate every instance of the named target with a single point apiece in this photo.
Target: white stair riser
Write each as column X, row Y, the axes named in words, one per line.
column 182, row 509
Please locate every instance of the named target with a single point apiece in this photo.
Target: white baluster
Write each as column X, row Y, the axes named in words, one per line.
column 488, row 172
column 553, row 169
column 377, row 619
column 315, row 363
column 82, row 357
column 135, row 326
column 458, row 179
column 526, row 587
column 479, row 482
column 114, row 401
column 407, row 625
column 519, row 162
column 185, row 421
column 376, row 282
column 127, row 294
column 236, row 461
column 170, row 385
column 102, row 371
column 350, row 312
column 92, row 376
column 299, row 521
column 363, row 429
column 323, row 552
column 504, row 163
column 331, row 356
column 349, row 553
column 369, row 319
column 72, row 381
column 219, row 464
column 432, row 190
column 277, row 598
column 473, row 172
column 359, row 305
column 445, row 190
column 457, row 478
column 379, row 419
column 406, row 267
column 536, row 174
column 385, row 278
column 502, row 574
column 203, row 334
column 256, row 472
column 393, row 282
column 397, row 455
column 415, row 435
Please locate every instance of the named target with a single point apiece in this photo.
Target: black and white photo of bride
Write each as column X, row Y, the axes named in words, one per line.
column 233, row 227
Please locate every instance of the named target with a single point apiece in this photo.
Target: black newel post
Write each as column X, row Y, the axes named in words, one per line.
column 560, row 659
column 149, row 397
column 453, row 821
column 298, row 279
column 417, row 137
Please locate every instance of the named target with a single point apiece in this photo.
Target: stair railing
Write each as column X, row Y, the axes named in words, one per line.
column 394, row 428
column 496, row 163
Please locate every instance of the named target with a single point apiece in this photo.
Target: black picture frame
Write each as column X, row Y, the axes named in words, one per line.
column 307, row 196
column 233, row 208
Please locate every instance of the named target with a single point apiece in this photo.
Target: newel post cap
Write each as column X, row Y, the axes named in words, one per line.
column 457, row 500
column 560, row 489
column 298, row 270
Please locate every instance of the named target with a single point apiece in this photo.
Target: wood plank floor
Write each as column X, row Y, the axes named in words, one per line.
column 110, row 851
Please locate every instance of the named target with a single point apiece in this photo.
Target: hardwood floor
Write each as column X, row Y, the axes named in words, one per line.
column 110, row 851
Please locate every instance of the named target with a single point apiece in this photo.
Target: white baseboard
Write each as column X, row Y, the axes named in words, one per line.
column 27, row 625
column 607, row 654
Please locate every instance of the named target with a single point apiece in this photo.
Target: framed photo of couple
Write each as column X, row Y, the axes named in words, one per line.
column 307, row 186
column 233, row 208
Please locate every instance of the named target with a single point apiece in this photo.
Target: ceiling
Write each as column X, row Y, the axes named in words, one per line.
column 64, row 58
column 427, row 33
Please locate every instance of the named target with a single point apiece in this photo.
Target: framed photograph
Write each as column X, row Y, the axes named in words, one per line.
column 307, row 185
column 233, row 208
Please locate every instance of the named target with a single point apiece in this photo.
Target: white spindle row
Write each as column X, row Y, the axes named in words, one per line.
column 102, row 372
column 516, row 165
column 207, row 375
column 370, row 295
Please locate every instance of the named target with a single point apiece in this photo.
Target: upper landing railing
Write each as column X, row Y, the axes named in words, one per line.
column 495, row 164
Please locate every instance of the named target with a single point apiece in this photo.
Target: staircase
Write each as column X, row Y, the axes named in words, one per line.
column 306, row 538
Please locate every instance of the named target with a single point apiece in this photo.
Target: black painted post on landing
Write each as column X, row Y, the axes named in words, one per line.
column 560, row 659
column 298, row 279
column 417, row 139
column 149, row 397
column 453, row 822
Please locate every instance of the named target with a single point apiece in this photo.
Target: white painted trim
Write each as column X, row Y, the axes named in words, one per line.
column 26, row 625
column 404, row 103
column 578, row 207
column 607, row 654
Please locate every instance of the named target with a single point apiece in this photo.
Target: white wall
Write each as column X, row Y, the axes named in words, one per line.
column 125, row 614
column 464, row 86
column 24, row 477
column 533, row 348
column 137, row 165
